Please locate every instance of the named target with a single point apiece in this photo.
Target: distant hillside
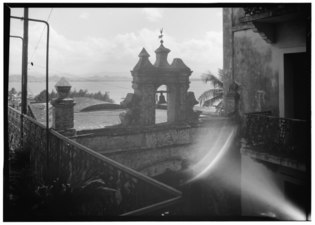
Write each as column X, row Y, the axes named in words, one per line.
column 17, row 78
column 103, row 76
column 81, row 78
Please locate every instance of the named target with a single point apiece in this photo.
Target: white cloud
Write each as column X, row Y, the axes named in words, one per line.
column 201, row 55
column 152, row 14
column 84, row 15
column 118, row 54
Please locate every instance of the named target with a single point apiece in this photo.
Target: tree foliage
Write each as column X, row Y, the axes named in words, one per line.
column 41, row 97
column 213, row 96
column 12, row 93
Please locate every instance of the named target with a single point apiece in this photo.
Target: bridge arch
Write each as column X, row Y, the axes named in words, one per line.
column 159, row 167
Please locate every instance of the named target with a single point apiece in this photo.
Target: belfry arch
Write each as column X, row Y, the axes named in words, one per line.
column 147, row 78
column 161, row 104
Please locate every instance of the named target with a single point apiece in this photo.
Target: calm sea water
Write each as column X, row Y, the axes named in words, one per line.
column 117, row 89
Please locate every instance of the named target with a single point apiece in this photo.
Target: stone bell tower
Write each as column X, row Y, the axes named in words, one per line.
column 147, row 78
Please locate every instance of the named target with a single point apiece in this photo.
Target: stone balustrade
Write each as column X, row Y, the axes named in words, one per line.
column 74, row 164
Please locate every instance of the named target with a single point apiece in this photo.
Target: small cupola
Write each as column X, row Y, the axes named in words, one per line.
column 63, row 88
column 144, row 62
column 161, row 54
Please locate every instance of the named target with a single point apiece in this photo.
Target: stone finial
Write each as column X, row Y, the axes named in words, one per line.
column 161, row 56
column 144, row 54
column 179, row 64
column 62, row 112
column 191, row 115
column 63, row 88
column 144, row 62
column 131, row 116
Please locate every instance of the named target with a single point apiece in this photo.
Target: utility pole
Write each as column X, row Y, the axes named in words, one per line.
column 24, row 63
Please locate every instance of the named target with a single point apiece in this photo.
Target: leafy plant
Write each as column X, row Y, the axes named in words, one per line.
column 12, row 93
column 41, row 97
column 56, row 200
column 60, row 200
column 213, row 96
column 19, row 193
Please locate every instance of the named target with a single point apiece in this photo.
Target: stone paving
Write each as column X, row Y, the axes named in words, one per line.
column 101, row 119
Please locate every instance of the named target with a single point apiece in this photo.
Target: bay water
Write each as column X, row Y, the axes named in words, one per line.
column 117, row 89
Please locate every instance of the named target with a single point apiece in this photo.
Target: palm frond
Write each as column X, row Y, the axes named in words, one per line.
column 221, row 74
column 211, row 101
column 219, row 106
column 205, row 95
column 209, row 77
column 209, row 94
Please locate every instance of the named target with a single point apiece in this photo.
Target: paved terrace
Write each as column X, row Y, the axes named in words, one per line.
column 89, row 120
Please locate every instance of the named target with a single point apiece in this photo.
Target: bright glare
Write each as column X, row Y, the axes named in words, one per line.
column 204, row 166
column 258, row 183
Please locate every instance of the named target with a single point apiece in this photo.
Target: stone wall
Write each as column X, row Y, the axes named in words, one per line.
column 63, row 115
column 255, row 64
column 115, row 139
column 153, row 150
column 255, row 69
column 154, row 161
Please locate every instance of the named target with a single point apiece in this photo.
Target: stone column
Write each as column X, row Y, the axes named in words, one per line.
column 62, row 113
column 183, row 114
column 147, row 105
column 172, row 102
column 232, row 101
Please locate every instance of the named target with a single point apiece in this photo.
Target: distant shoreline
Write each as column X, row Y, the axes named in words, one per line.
column 17, row 78
column 117, row 88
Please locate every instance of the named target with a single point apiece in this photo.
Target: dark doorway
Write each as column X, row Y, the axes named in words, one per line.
column 297, row 92
column 297, row 195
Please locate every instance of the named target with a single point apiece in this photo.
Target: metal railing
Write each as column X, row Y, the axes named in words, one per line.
column 250, row 11
column 73, row 164
column 273, row 9
column 277, row 136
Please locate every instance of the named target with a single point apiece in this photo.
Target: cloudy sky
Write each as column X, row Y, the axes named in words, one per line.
column 97, row 41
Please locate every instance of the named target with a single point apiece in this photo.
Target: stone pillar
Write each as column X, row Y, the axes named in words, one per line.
column 172, row 103
column 183, row 100
column 62, row 113
column 232, row 101
column 227, row 57
column 144, row 91
column 147, row 105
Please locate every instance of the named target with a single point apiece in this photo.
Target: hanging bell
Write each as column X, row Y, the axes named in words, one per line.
column 161, row 99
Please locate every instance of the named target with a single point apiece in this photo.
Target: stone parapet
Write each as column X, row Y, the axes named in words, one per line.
column 110, row 139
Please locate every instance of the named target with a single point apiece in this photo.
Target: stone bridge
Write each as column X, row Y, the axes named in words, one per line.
column 153, row 150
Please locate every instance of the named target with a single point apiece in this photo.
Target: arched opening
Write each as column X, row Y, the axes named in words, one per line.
column 161, row 104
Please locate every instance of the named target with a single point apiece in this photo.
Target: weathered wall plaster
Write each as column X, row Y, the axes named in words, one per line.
column 258, row 65
column 111, row 139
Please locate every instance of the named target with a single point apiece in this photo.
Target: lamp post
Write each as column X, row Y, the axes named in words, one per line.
column 47, row 77
column 21, row 132
column 18, row 37
column 47, row 59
